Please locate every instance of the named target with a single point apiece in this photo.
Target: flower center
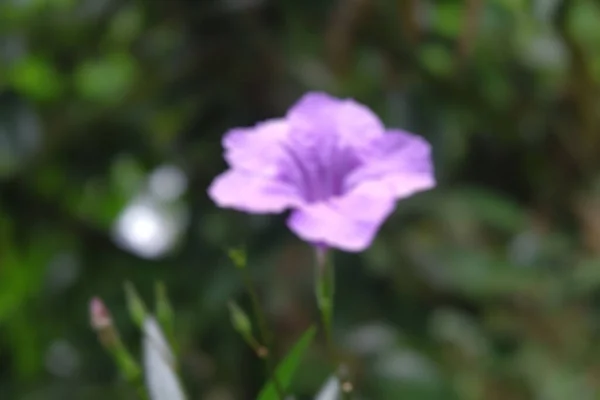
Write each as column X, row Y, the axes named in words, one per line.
column 318, row 173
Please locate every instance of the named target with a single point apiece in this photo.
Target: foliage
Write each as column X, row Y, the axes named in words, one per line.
column 111, row 114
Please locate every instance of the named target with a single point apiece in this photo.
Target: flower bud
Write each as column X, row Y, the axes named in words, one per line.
column 100, row 318
column 238, row 257
column 101, row 321
column 240, row 320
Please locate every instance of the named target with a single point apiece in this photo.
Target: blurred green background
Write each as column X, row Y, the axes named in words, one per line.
column 111, row 115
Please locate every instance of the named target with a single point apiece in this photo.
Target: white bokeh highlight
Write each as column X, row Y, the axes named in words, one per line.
column 150, row 225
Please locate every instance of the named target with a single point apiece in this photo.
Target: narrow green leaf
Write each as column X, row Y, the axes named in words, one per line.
column 137, row 308
column 239, row 319
column 165, row 315
column 287, row 368
column 238, row 257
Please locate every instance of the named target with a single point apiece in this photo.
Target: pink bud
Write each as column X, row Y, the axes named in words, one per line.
column 99, row 315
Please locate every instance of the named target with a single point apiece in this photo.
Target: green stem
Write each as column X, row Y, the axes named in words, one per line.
column 127, row 365
column 265, row 334
column 325, row 290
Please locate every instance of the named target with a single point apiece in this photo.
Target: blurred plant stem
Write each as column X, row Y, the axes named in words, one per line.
column 108, row 335
column 166, row 316
column 325, row 290
column 468, row 36
column 266, row 350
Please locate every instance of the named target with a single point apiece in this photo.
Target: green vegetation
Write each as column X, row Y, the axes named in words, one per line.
column 111, row 115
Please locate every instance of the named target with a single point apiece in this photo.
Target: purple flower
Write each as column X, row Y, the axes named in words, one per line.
column 331, row 162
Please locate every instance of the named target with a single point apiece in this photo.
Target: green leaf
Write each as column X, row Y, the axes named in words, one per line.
column 137, row 308
column 37, row 79
column 287, row 368
column 164, row 312
column 107, row 80
column 240, row 320
column 448, row 19
column 127, row 175
column 437, row 59
column 238, row 257
column 126, row 25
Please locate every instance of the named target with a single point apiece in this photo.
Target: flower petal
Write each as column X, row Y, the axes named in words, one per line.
column 250, row 192
column 322, row 114
column 320, row 145
column 257, row 148
column 159, row 364
column 396, row 164
column 348, row 223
